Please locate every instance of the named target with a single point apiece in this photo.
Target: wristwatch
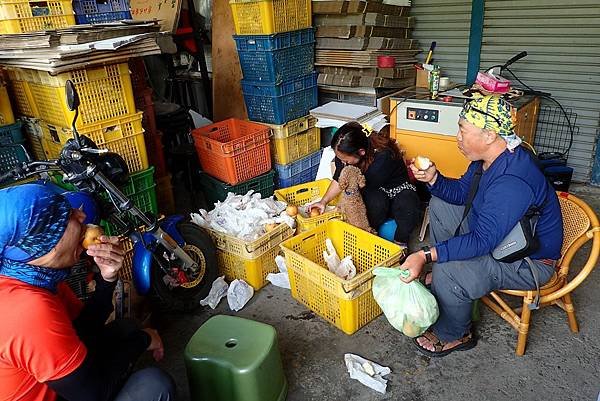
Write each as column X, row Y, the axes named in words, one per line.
column 427, row 254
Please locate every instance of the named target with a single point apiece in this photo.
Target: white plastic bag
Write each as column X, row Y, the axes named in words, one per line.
column 410, row 308
column 280, row 279
column 342, row 268
column 367, row 372
column 217, row 292
column 238, row 294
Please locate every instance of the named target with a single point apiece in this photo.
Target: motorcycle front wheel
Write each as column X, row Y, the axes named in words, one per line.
column 181, row 290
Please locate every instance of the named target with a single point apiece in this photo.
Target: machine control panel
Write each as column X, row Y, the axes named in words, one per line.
column 420, row 114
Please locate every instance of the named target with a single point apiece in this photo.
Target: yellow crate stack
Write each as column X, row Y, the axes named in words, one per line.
column 6, row 114
column 107, row 113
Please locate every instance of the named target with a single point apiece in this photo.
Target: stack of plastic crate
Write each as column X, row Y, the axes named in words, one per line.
column 235, row 157
column 107, row 115
column 143, row 97
column 276, row 47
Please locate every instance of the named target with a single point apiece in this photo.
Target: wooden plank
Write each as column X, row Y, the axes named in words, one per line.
column 228, row 100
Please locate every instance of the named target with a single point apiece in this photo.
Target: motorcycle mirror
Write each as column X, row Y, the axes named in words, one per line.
column 72, row 96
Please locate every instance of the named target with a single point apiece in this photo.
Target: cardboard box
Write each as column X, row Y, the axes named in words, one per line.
column 422, row 79
column 359, row 43
column 363, row 31
column 357, row 7
column 375, row 19
column 398, row 72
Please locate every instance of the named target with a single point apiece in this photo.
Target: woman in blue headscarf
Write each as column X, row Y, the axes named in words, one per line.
column 50, row 343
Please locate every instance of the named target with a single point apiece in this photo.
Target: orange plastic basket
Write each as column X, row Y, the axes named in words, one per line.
column 233, row 150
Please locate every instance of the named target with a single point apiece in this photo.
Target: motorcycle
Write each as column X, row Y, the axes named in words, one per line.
column 174, row 260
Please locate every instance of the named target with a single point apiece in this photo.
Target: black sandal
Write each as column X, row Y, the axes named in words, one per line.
column 466, row 343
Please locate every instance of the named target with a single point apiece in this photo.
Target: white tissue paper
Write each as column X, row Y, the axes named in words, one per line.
column 367, row 372
column 243, row 216
column 238, row 294
column 217, row 292
column 280, row 279
column 342, row 268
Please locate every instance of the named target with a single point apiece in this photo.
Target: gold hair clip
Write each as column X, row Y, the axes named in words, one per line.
column 367, row 129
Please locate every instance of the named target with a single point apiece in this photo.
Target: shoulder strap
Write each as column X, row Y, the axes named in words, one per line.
column 471, row 196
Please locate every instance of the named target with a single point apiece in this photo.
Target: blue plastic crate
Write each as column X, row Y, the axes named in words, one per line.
column 98, row 11
column 298, row 172
column 276, row 58
column 278, row 104
column 11, row 134
column 276, row 41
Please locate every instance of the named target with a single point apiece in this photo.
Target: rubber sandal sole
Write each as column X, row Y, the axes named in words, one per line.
column 471, row 343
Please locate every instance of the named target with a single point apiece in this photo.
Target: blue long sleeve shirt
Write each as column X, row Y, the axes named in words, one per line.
column 507, row 189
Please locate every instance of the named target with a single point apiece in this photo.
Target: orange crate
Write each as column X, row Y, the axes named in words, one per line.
column 233, row 150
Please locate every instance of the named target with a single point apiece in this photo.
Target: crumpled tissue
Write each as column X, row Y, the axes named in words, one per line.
column 343, row 268
column 216, row 293
column 367, row 372
column 238, row 294
column 280, row 279
column 243, row 216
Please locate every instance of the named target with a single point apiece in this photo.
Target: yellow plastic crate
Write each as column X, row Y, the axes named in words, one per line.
column 21, row 95
column 250, row 249
column 252, row 271
column 6, row 114
column 18, row 16
column 123, row 135
column 105, row 93
column 295, row 147
column 303, row 194
column 270, row 16
column 347, row 304
column 282, row 131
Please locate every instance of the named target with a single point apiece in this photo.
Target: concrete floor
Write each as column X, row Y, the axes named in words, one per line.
column 558, row 365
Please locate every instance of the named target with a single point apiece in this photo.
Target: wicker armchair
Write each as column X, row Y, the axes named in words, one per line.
column 580, row 225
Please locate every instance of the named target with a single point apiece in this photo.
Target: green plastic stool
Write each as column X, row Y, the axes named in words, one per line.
column 235, row 359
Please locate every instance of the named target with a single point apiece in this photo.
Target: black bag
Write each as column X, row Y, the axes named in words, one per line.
column 520, row 241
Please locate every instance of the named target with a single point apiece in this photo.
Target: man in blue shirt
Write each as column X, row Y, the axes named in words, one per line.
column 464, row 269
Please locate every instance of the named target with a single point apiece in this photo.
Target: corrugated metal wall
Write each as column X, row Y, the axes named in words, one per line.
column 563, row 44
column 448, row 23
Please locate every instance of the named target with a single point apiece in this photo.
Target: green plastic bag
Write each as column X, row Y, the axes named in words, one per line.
column 410, row 308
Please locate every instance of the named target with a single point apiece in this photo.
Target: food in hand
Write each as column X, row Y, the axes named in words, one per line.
column 92, row 235
column 314, row 212
column 291, row 210
column 270, row 227
column 422, row 163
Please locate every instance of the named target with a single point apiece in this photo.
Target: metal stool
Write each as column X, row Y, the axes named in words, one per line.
column 235, row 359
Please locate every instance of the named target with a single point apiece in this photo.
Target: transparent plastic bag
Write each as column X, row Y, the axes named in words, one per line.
column 410, row 308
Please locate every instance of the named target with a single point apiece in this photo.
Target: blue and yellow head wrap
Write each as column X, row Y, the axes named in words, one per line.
column 33, row 219
column 495, row 114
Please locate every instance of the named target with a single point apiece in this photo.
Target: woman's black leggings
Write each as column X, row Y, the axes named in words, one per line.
column 404, row 208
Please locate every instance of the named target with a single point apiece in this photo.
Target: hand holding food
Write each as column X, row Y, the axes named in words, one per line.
column 422, row 163
column 92, row 235
column 314, row 212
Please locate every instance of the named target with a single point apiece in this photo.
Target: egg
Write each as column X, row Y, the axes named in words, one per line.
column 270, row 227
column 291, row 210
column 92, row 235
column 422, row 163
